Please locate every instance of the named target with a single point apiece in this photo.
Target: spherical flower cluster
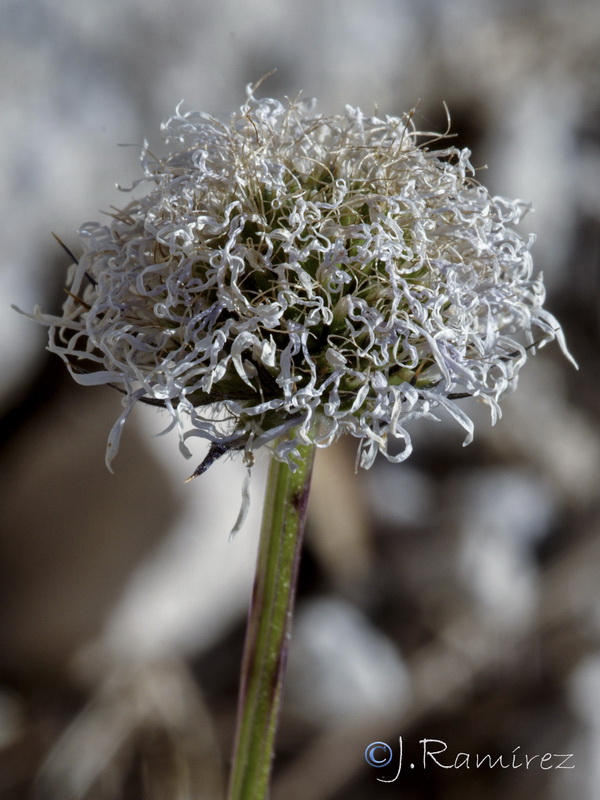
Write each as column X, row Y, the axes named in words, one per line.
column 288, row 270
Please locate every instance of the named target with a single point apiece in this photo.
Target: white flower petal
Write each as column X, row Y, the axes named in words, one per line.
column 291, row 270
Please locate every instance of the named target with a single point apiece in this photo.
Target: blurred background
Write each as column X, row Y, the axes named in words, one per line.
column 453, row 597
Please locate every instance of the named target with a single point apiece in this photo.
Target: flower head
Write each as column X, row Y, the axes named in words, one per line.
column 290, row 270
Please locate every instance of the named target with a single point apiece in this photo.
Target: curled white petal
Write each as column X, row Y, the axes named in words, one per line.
column 290, row 270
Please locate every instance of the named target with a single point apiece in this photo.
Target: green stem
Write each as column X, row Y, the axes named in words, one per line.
column 269, row 626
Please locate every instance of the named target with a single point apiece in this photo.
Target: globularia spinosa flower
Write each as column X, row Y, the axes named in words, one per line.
column 290, row 270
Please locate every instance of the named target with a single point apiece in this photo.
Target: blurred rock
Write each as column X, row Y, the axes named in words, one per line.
column 341, row 666
column 506, row 512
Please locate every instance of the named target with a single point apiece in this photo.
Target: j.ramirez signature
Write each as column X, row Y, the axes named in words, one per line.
column 434, row 753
